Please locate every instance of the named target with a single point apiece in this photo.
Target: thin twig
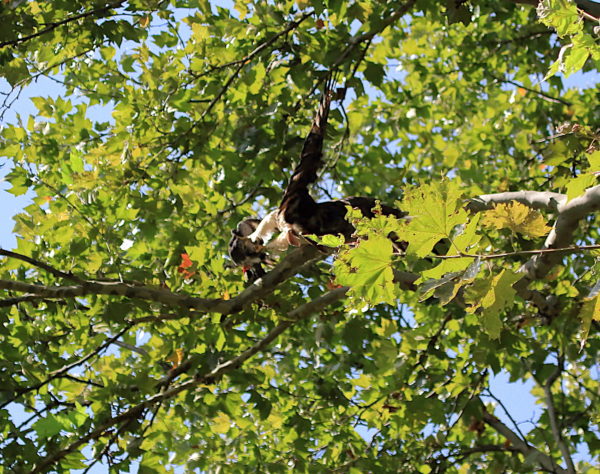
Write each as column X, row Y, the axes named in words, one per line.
column 291, row 26
column 574, row 249
column 545, row 461
column 588, row 16
column 506, row 412
column 542, row 94
column 63, row 370
column 55, row 25
column 6, row 303
column 39, row 264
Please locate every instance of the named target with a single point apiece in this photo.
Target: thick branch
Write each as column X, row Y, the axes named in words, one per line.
column 528, row 451
column 517, row 253
column 534, row 199
column 569, row 215
column 136, row 411
column 284, row 270
column 554, row 426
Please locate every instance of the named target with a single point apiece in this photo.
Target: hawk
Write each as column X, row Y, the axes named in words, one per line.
column 299, row 214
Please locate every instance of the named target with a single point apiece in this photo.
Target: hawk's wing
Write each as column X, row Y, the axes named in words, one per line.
column 297, row 205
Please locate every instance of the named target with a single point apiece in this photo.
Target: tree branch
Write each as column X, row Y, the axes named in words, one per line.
column 516, row 253
column 556, row 247
column 554, row 426
column 506, row 412
column 5, row 303
column 486, row 448
column 557, row 244
column 535, row 199
column 545, row 461
column 134, row 412
column 561, row 235
column 287, row 267
column 63, row 370
column 39, row 264
column 542, row 94
column 70, row 19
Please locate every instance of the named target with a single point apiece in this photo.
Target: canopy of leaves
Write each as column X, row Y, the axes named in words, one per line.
column 128, row 338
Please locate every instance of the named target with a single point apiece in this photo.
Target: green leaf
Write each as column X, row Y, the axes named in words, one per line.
column 220, row 342
column 574, row 60
column 435, row 210
column 577, row 186
column 48, row 426
column 457, row 12
column 328, row 240
column 74, row 461
column 594, row 161
column 590, row 311
column 561, row 15
column 367, row 269
column 386, row 353
column 15, row 71
column 447, row 287
column 374, row 73
column 258, row 78
column 498, row 295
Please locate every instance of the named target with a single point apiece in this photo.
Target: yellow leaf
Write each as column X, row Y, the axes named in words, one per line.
column 200, row 32
column 220, row 424
column 274, row 421
column 518, row 218
column 176, row 358
column 145, row 21
column 594, row 160
column 364, row 381
column 589, row 311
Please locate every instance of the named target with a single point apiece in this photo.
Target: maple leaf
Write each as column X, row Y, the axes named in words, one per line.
column 176, row 358
column 367, row 268
column 435, row 209
column 518, row 218
column 186, row 263
column 494, row 296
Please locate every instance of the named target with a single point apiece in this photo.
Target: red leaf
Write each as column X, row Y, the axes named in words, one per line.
column 186, row 263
